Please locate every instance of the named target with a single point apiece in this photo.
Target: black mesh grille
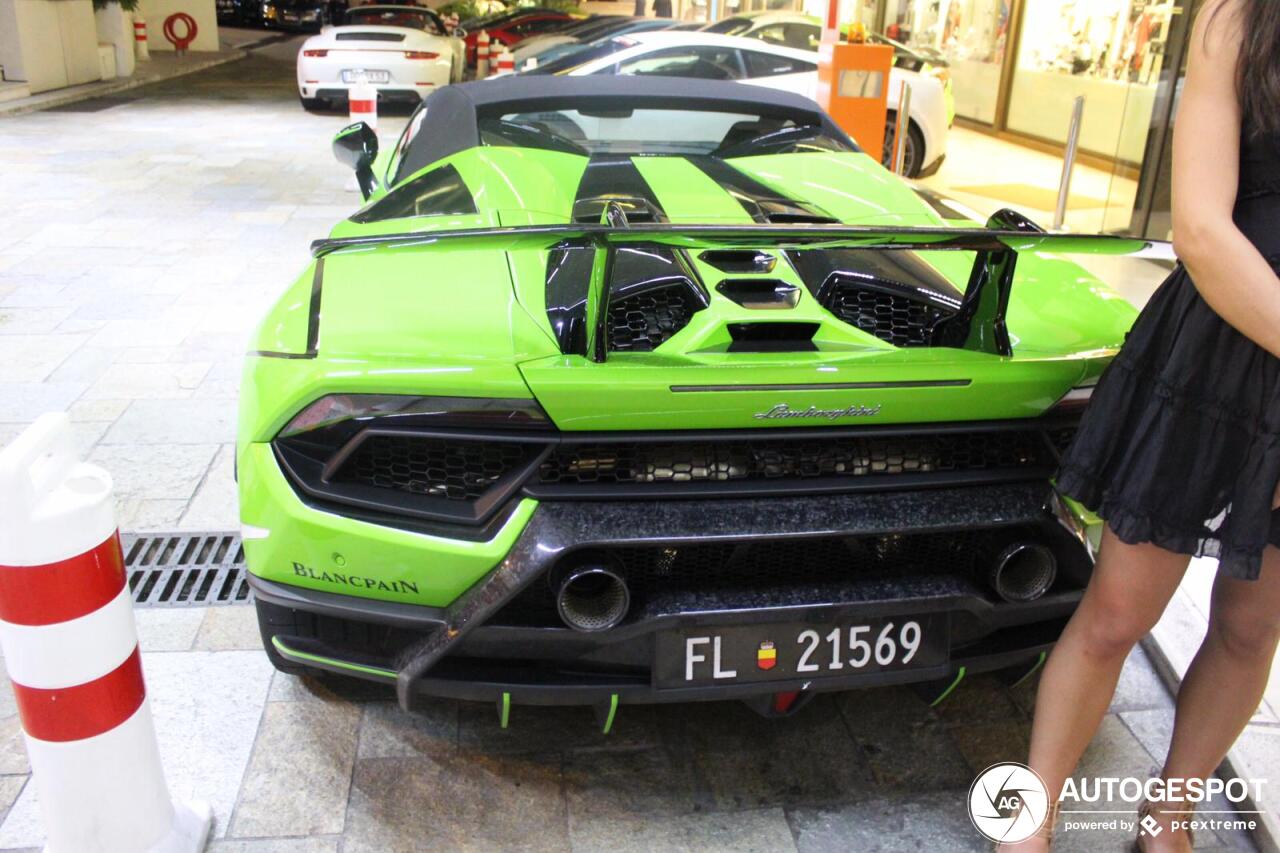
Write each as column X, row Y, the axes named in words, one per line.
column 803, row 459
column 642, row 322
column 762, row 565
column 456, row 469
column 1062, row 438
column 891, row 317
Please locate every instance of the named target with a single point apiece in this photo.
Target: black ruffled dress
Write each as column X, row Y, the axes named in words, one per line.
column 1180, row 445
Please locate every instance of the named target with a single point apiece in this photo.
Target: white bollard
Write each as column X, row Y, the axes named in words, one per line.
column 482, row 55
column 141, row 51
column 71, row 649
column 506, row 62
column 362, row 103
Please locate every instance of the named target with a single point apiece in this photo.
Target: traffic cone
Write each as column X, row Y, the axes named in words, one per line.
column 482, row 55
column 362, row 103
column 141, row 51
column 71, row 649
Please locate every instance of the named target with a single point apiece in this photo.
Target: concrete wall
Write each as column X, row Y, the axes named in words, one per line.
column 49, row 43
column 204, row 11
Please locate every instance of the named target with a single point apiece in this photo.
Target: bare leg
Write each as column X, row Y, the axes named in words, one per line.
column 1225, row 682
column 1130, row 587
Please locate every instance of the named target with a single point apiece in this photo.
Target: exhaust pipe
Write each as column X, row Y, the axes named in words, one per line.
column 592, row 598
column 1024, row 571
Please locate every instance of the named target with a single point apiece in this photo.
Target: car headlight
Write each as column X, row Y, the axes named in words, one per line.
column 482, row 412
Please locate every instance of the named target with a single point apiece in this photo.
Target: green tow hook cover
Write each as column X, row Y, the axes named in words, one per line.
column 504, row 710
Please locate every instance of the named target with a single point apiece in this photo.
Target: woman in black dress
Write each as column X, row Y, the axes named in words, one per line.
column 1180, row 449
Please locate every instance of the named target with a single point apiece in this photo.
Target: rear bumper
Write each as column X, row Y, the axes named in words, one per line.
column 337, row 93
column 472, row 650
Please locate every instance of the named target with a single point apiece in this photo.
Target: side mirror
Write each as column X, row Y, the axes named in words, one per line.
column 356, row 147
column 459, row 32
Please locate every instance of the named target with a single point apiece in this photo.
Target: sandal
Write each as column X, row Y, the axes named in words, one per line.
column 1154, row 811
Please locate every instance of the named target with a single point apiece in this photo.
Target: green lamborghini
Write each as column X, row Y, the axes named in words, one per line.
column 628, row 390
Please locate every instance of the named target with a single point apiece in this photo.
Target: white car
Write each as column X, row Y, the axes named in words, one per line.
column 710, row 56
column 786, row 29
column 405, row 52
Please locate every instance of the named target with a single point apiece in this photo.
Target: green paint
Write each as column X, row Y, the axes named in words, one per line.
column 305, row 657
column 950, row 687
column 468, row 318
column 1039, row 663
column 613, row 710
column 504, row 710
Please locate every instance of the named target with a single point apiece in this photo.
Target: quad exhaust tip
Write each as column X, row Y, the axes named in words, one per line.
column 1023, row 571
column 592, row 598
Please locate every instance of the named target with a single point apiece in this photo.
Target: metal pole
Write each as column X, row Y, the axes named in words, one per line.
column 1068, row 163
column 900, row 130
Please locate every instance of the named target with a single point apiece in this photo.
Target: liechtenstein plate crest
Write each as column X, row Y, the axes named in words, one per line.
column 766, row 655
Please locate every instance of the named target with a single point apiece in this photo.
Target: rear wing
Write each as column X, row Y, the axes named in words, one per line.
column 979, row 323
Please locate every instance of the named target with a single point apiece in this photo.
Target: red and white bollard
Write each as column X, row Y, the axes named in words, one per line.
column 506, row 62
column 482, row 55
column 362, row 103
column 71, row 649
column 140, row 49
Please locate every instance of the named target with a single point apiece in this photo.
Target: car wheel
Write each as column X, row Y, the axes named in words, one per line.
column 311, row 105
column 913, row 156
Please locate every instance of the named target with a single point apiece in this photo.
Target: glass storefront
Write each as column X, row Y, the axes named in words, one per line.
column 1017, row 66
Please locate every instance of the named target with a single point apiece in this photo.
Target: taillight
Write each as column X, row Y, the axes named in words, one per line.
column 317, row 54
column 420, row 54
column 1073, row 401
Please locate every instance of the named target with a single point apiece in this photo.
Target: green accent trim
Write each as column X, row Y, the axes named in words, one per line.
column 1039, row 663
column 304, row 657
column 947, row 692
column 613, row 710
column 504, row 710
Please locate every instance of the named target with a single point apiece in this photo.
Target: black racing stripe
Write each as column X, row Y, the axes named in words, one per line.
column 614, row 177
column 764, row 204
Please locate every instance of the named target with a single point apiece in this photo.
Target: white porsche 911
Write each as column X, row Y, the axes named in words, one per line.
column 404, row 52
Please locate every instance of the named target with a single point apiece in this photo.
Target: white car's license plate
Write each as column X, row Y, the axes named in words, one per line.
column 777, row 652
column 351, row 75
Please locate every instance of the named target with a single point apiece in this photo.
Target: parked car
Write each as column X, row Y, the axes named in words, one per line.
column 304, row 15
column 245, row 13
column 551, row 47
column 625, row 390
column 793, row 29
column 404, row 52
column 709, row 56
column 507, row 31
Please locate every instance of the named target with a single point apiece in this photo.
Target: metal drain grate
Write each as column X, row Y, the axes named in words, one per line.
column 185, row 569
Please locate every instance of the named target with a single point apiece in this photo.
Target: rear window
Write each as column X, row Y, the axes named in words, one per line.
column 414, row 19
column 729, row 26
column 632, row 131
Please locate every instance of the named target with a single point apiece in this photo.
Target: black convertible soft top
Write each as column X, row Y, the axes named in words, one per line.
column 453, row 112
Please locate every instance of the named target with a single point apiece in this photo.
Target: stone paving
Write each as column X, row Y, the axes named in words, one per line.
column 142, row 241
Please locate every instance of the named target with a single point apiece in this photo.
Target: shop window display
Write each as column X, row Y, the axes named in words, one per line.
column 1109, row 51
column 969, row 34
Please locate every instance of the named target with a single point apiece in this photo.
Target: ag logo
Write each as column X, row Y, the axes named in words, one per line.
column 1008, row 802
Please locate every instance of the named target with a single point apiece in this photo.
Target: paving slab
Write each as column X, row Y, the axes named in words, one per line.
column 300, row 771
column 206, row 708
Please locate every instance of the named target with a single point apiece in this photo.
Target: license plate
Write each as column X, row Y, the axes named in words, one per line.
column 351, row 75
column 778, row 652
